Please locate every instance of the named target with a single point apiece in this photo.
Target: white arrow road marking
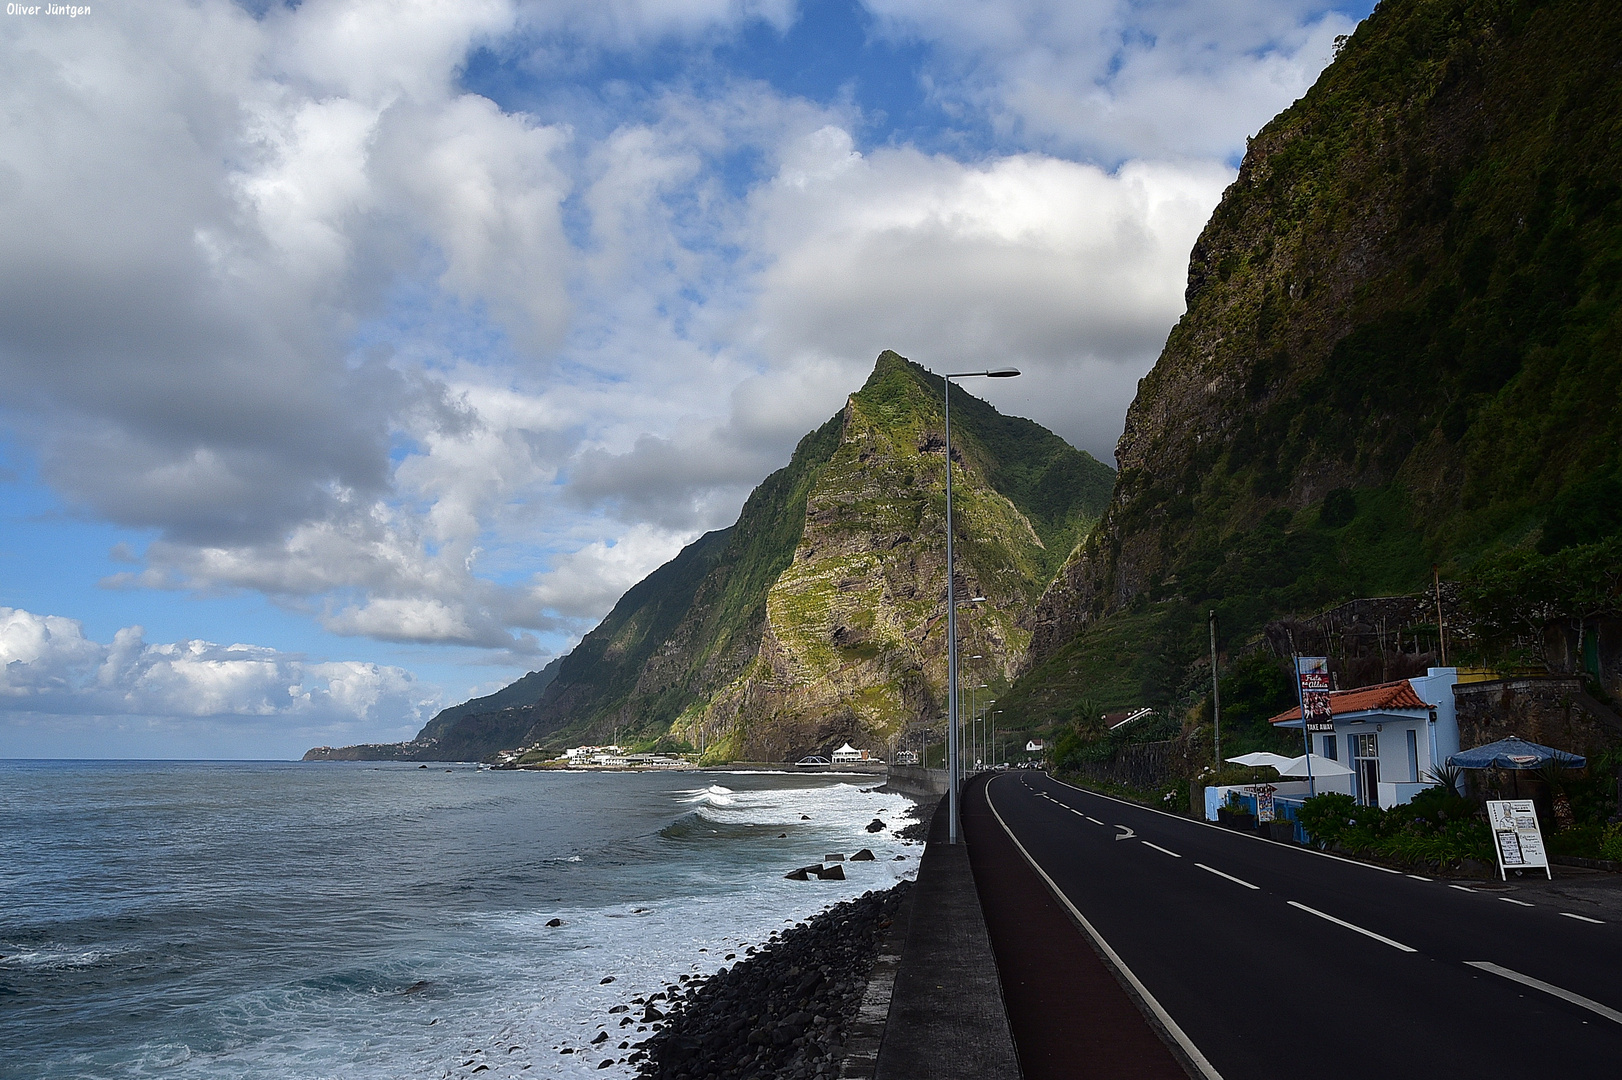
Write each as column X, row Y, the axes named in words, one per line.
column 1539, row 984
column 1129, row 834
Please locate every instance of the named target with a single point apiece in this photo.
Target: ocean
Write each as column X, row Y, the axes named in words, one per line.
column 360, row 920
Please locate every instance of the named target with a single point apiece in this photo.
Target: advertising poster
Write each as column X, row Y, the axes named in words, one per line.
column 1516, row 836
column 1313, row 673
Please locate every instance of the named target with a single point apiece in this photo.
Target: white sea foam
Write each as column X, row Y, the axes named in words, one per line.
column 504, row 990
column 50, row 957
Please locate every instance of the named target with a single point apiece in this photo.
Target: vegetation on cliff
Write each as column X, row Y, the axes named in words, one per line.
column 1403, row 347
column 820, row 615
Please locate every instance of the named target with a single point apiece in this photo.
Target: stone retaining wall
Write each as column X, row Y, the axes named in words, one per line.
column 1554, row 711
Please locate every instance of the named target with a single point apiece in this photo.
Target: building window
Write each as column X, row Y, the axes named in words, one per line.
column 1329, row 748
column 1413, row 756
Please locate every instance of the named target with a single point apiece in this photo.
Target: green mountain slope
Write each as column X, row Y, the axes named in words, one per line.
column 1401, row 348
column 854, row 640
column 820, row 613
column 526, row 691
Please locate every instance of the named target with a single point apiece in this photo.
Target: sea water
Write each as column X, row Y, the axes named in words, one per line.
column 381, row 920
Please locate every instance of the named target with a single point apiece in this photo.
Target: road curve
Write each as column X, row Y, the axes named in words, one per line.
column 1270, row 957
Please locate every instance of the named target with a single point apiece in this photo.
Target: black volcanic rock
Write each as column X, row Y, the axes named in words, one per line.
column 782, row 1013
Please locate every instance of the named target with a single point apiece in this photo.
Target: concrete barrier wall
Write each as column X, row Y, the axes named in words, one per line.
column 917, row 781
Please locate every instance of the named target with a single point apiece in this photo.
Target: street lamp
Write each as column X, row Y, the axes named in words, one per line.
column 951, row 608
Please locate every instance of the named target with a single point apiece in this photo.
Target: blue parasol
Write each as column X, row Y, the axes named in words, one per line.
column 1514, row 753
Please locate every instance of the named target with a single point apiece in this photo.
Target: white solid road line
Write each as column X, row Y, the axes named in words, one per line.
column 1158, row 848
column 1583, row 918
column 1511, row 900
column 1352, row 926
column 1197, row 1059
column 1230, row 877
column 1229, row 832
column 1539, row 984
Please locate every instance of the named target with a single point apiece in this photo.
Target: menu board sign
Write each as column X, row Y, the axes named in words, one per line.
column 1516, row 836
column 1312, row 672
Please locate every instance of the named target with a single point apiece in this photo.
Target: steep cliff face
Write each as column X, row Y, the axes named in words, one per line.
column 1401, row 344
column 820, row 615
column 854, row 642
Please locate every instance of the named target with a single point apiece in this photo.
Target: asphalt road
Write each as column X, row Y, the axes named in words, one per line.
column 1267, row 959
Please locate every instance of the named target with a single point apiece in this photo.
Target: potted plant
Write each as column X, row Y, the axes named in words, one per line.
column 1235, row 814
column 1281, row 829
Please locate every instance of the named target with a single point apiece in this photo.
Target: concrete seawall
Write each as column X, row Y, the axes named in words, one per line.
column 917, row 782
column 946, row 1017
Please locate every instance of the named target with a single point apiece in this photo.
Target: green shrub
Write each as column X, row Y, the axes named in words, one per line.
column 1610, row 844
column 1326, row 817
column 1437, row 827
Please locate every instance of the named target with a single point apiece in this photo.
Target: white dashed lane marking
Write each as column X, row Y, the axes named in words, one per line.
column 1230, row 877
column 1549, row 988
column 1353, row 926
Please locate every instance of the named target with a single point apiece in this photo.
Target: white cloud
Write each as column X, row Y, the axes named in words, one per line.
column 1060, row 267
column 283, row 294
column 48, row 665
column 1117, row 81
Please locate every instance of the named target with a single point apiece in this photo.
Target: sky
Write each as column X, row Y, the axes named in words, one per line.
column 356, row 355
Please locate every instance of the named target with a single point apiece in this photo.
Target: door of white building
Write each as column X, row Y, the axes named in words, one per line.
column 1366, row 763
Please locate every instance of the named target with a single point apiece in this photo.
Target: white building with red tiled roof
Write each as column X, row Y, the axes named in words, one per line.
column 1391, row 735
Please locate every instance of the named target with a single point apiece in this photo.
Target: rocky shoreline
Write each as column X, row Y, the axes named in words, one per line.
column 784, row 1013
column 787, row 1010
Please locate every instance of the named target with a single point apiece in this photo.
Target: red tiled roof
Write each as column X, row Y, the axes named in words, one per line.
column 1390, row 695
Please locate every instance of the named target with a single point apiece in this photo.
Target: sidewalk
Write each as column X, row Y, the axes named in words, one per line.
column 946, row 1019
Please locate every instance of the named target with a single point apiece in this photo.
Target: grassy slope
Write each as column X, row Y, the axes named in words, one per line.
column 1060, row 490
column 678, row 635
column 716, row 587
column 1411, row 296
column 526, row 691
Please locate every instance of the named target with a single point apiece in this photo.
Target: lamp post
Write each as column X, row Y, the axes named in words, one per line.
column 951, row 607
column 981, row 755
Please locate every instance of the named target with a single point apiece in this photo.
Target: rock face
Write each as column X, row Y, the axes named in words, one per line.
column 853, row 643
column 820, row 615
column 1399, row 346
